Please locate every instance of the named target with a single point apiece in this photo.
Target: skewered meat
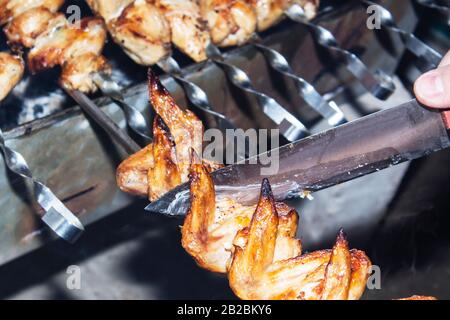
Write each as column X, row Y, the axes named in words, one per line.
column 231, row 22
column 14, row 8
column 76, row 49
column 138, row 26
column 189, row 32
column 211, row 224
column 145, row 29
column 53, row 41
column 269, row 12
column 266, row 262
column 164, row 164
column 11, row 71
column 419, row 298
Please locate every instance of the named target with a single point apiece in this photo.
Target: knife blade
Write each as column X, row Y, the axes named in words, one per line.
column 369, row 144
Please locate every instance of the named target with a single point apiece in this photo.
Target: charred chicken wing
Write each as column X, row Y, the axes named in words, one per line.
column 165, row 163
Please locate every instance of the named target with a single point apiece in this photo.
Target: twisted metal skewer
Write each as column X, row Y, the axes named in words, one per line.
column 378, row 83
column 104, row 121
column 445, row 11
column 135, row 119
column 57, row 216
column 290, row 127
column 430, row 57
column 195, row 94
column 327, row 109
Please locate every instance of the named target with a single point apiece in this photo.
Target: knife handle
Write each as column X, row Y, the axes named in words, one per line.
column 446, row 118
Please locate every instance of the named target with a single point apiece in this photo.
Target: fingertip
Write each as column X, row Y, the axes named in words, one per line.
column 429, row 90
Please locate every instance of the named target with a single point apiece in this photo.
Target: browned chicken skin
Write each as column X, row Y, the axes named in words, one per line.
column 230, row 22
column 189, row 32
column 418, row 298
column 163, row 164
column 269, row 12
column 146, row 28
column 212, row 223
column 258, row 249
column 138, row 26
column 52, row 40
column 11, row 71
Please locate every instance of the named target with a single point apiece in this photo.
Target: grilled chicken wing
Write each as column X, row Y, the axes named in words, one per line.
column 269, row 12
column 254, row 274
column 418, row 298
column 164, row 164
column 212, row 223
column 257, row 246
column 11, row 71
column 189, row 32
column 231, row 22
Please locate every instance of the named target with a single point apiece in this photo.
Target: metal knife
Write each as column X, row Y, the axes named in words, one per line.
column 374, row 142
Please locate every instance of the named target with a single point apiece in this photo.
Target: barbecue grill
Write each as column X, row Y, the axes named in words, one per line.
column 354, row 73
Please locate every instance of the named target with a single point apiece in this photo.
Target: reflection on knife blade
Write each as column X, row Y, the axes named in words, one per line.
column 385, row 138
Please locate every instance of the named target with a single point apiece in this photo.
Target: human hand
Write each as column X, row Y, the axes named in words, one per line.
column 433, row 88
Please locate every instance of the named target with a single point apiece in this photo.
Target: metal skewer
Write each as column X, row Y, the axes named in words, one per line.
column 135, row 119
column 290, row 127
column 195, row 94
column 327, row 109
column 429, row 57
column 379, row 84
column 445, row 11
column 57, row 216
column 104, row 121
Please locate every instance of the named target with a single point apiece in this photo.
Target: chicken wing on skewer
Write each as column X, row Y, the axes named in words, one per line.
column 212, row 223
column 138, row 26
column 269, row 12
column 11, row 71
column 231, row 22
column 257, row 246
column 418, row 298
column 254, row 274
column 175, row 133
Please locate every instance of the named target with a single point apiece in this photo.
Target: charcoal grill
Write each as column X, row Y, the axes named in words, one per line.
column 72, row 155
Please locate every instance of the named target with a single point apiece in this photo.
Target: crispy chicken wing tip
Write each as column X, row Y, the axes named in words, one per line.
column 341, row 237
column 266, row 190
column 155, row 85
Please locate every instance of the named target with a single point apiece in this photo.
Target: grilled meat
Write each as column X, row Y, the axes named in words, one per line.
column 164, row 164
column 53, row 41
column 256, row 245
column 269, row 12
column 418, row 298
column 138, row 26
column 12, row 9
column 11, row 71
column 189, row 32
column 322, row 275
column 212, row 223
column 231, row 22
